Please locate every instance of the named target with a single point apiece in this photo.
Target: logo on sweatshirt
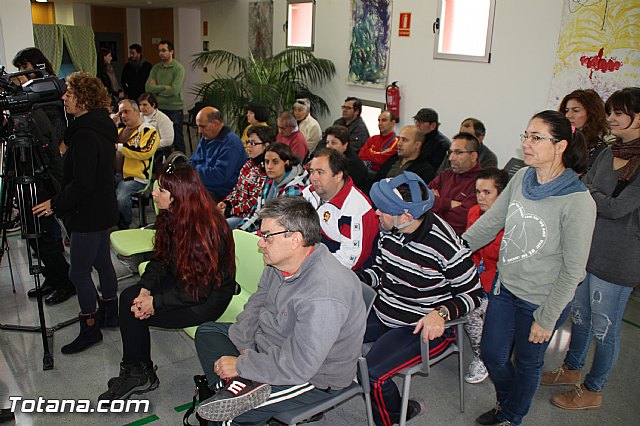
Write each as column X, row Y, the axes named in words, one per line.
column 524, row 234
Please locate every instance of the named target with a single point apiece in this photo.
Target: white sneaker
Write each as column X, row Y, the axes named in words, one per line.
column 477, row 372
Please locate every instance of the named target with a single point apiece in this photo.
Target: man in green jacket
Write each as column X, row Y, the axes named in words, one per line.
column 165, row 81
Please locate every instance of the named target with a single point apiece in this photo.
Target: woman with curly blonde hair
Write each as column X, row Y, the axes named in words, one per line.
column 87, row 204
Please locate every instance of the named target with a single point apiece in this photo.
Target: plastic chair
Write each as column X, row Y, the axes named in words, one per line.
column 249, row 266
column 362, row 386
column 133, row 242
column 143, row 196
column 456, row 346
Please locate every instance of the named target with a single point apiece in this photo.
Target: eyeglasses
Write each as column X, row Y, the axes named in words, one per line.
column 459, row 152
column 254, row 143
column 265, row 237
column 346, row 107
column 535, row 139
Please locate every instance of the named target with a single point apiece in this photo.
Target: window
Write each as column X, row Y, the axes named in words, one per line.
column 370, row 112
column 463, row 30
column 300, row 22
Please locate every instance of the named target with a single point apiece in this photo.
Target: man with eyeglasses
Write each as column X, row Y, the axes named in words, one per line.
column 455, row 188
column 351, row 119
column 165, row 81
column 300, row 334
column 436, row 143
column 486, row 157
column 220, row 154
column 137, row 143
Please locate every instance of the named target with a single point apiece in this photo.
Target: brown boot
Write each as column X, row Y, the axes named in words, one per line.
column 561, row 376
column 579, row 398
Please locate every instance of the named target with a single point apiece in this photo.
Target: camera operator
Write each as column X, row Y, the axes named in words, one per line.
column 47, row 136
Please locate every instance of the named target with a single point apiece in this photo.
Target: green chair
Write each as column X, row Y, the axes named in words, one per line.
column 131, row 243
column 249, row 266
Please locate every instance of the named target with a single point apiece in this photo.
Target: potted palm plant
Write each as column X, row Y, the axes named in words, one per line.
column 275, row 82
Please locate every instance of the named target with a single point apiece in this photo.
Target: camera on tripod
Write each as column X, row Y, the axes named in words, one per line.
column 21, row 98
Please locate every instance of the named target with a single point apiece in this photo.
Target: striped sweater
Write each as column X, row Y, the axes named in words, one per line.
column 418, row 272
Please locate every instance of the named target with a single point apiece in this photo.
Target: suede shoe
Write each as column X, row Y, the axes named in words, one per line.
column 414, row 408
column 579, row 398
column 490, row 417
column 133, row 379
column 60, row 295
column 561, row 376
column 45, row 289
column 239, row 396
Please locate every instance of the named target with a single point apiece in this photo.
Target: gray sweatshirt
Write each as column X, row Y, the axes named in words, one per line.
column 615, row 250
column 304, row 328
column 545, row 246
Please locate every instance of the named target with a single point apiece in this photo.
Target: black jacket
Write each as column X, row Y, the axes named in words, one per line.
column 134, row 78
column 435, row 148
column 419, row 166
column 169, row 294
column 357, row 169
column 87, row 202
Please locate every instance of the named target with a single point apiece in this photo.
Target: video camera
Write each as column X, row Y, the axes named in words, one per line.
column 38, row 91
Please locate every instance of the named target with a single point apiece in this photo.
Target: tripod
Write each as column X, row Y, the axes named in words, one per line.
column 21, row 168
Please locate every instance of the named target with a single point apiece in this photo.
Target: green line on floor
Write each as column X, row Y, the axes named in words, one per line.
column 144, row 421
column 631, row 323
column 183, row 407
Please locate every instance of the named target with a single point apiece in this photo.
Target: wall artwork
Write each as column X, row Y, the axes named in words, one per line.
column 599, row 48
column 261, row 29
column 369, row 49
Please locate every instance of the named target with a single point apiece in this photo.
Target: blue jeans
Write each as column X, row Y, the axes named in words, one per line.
column 507, row 325
column 597, row 312
column 177, row 117
column 124, row 190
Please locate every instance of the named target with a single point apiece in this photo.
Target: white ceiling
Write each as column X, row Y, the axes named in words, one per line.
column 143, row 4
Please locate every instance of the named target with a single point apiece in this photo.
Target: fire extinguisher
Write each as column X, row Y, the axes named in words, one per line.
column 393, row 99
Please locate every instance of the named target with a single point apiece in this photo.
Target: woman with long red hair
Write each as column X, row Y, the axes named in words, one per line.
column 190, row 279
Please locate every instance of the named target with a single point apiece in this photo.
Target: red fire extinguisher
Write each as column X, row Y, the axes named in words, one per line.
column 393, row 99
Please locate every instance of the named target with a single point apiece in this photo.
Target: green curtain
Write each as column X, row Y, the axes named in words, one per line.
column 80, row 42
column 48, row 38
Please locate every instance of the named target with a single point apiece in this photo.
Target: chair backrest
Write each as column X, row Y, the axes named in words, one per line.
column 249, row 261
column 369, row 296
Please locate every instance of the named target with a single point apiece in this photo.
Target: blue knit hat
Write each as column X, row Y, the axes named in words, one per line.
column 388, row 199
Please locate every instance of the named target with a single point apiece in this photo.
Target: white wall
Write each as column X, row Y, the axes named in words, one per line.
column 187, row 31
column 16, row 31
column 503, row 94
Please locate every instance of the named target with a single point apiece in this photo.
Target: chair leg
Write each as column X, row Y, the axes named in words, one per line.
column 406, row 387
column 142, row 218
column 460, row 342
column 367, row 400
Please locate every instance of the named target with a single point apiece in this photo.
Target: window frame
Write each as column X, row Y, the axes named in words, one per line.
column 439, row 33
column 313, row 24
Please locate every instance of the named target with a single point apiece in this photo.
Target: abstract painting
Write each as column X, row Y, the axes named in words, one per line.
column 599, row 48
column 261, row 29
column 369, row 49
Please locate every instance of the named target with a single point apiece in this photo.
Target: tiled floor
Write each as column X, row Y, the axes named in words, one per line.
column 84, row 375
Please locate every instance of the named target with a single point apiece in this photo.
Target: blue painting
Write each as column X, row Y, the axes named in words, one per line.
column 369, row 49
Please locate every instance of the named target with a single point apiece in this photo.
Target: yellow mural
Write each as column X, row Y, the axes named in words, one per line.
column 598, row 47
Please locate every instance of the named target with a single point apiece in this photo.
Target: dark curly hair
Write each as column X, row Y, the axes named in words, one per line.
column 596, row 126
column 89, row 90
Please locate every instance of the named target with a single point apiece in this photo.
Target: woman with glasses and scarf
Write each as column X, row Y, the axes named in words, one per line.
column 189, row 280
column 613, row 269
column 548, row 216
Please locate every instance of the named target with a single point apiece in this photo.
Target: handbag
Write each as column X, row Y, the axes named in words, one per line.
column 202, row 392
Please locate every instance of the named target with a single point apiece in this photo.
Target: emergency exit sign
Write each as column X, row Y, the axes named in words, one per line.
column 405, row 25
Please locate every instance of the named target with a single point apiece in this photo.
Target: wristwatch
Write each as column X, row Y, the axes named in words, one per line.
column 443, row 312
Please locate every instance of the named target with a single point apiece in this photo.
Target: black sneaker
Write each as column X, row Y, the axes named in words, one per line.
column 490, row 417
column 239, row 396
column 414, row 409
column 133, row 379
